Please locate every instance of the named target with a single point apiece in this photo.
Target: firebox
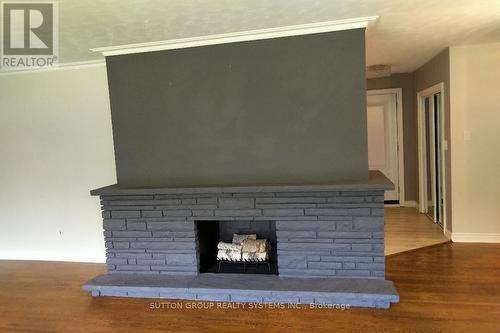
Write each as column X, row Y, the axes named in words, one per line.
column 211, row 233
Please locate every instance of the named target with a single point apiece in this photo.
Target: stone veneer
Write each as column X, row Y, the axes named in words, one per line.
column 321, row 232
column 330, row 243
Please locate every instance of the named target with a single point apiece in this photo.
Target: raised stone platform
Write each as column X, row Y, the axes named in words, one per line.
column 375, row 293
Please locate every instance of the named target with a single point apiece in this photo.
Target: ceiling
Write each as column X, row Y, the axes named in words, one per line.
column 407, row 34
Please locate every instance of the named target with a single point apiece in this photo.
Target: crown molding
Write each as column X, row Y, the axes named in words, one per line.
column 59, row 67
column 241, row 36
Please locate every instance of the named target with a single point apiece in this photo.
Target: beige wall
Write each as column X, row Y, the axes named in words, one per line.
column 55, row 145
column 405, row 81
column 475, row 162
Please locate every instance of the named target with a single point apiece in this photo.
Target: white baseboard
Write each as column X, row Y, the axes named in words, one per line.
column 447, row 234
column 50, row 256
column 472, row 237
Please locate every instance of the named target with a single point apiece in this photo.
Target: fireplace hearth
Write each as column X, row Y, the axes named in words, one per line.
column 330, row 233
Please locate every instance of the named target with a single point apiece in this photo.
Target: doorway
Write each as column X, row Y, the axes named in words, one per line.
column 385, row 139
column 432, row 145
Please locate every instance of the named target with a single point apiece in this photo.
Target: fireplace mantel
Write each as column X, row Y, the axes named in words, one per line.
column 376, row 181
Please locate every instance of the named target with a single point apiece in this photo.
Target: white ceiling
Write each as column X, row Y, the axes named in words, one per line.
column 407, row 34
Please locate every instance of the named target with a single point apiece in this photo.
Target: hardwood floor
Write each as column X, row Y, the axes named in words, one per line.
column 445, row 288
column 406, row 229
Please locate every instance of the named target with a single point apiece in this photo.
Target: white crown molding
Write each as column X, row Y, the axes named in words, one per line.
column 241, row 36
column 59, row 67
column 472, row 237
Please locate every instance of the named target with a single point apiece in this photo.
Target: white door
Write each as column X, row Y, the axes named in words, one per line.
column 383, row 139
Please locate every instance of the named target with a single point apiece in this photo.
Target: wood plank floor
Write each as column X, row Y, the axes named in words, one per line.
column 445, row 288
column 406, row 229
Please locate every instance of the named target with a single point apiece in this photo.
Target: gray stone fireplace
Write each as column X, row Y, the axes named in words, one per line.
column 266, row 136
column 322, row 232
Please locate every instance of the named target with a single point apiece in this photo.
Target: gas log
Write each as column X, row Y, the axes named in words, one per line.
column 244, row 248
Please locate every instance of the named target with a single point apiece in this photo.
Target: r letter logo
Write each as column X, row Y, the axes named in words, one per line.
column 29, row 34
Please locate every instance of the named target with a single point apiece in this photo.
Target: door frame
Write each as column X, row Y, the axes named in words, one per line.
column 400, row 146
column 422, row 176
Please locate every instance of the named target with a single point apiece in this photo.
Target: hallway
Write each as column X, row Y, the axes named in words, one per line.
column 406, row 229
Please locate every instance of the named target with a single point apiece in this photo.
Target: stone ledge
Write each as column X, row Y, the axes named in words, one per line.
column 376, row 181
column 235, row 287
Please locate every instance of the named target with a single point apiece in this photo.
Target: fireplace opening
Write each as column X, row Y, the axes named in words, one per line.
column 237, row 260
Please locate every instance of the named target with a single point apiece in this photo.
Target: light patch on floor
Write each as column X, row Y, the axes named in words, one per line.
column 406, row 229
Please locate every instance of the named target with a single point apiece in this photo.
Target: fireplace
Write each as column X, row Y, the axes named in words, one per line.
column 327, row 241
column 264, row 137
column 211, row 233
